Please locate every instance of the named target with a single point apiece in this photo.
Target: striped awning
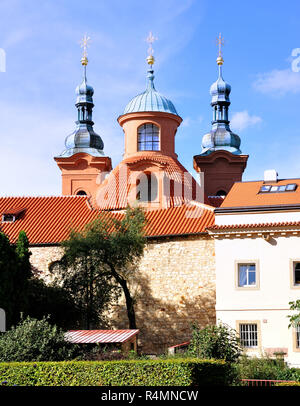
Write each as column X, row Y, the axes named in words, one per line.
column 100, row 336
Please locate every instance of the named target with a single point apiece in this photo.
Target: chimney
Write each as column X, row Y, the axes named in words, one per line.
column 270, row 175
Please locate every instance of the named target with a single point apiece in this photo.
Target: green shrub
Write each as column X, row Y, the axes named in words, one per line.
column 117, row 373
column 215, row 341
column 35, row 340
column 287, row 384
column 265, row 368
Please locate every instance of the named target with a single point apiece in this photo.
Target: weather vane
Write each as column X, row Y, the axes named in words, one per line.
column 150, row 39
column 84, row 43
column 220, row 42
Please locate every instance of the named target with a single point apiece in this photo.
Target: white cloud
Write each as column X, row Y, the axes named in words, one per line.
column 188, row 121
column 242, row 119
column 278, row 82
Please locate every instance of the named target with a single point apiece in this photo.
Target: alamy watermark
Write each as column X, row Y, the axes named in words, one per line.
column 160, row 189
column 296, row 61
column 2, row 60
column 2, row 321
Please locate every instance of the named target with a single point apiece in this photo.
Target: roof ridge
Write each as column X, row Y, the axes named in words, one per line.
column 44, row 196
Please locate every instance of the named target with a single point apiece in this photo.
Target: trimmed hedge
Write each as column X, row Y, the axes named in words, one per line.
column 177, row 372
column 287, row 384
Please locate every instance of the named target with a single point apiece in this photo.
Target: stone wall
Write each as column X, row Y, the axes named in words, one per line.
column 173, row 287
column 41, row 257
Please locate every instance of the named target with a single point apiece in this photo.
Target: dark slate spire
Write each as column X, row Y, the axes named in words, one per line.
column 220, row 137
column 84, row 138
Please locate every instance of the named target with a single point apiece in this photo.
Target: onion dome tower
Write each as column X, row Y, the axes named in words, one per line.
column 221, row 159
column 83, row 160
column 153, row 110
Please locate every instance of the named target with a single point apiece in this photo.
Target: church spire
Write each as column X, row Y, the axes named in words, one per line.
column 220, row 137
column 84, row 139
column 150, row 60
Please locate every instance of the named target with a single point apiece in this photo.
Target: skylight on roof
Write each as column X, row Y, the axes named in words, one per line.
column 291, row 187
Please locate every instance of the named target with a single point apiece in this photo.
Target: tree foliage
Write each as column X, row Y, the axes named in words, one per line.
column 98, row 262
column 15, row 272
column 54, row 302
column 35, row 340
column 215, row 341
column 295, row 317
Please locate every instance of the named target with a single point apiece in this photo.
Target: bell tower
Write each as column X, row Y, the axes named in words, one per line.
column 83, row 162
column 221, row 159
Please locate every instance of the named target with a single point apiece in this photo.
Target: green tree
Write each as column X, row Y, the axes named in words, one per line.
column 15, row 272
column 8, row 270
column 54, row 302
column 295, row 317
column 22, row 275
column 35, row 340
column 215, row 341
column 100, row 260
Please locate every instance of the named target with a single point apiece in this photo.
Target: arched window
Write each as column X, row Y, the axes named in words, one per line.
column 81, row 193
column 221, row 193
column 148, row 138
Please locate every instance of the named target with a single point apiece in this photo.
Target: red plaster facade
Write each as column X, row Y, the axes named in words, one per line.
column 167, row 124
column 82, row 173
column 221, row 170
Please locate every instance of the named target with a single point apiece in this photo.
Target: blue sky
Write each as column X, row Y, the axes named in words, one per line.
column 37, row 91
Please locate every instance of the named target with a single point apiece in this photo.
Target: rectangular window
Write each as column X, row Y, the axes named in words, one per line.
column 246, row 275
column 248, row 335
column 8, row 218
column 296, row 273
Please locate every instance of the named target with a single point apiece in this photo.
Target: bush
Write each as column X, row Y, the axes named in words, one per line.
column 117, row 373
column 35, row 340
column 287, row 384
column 265, row 368
column 217, row 342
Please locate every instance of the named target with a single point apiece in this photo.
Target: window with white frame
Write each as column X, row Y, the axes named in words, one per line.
column 247, row 276
column 249, row 335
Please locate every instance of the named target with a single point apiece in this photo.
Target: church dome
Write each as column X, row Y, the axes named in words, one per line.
column 221, row 139
column 84, row 92
column 220, row 91
column 150, row 100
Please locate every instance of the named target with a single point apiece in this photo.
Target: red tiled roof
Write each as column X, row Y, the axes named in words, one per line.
column 179, row 220
column 49, row 220
column 100, row 336
column 246, row 194
column 46, row 220
column 14, row 211
column 253, row 225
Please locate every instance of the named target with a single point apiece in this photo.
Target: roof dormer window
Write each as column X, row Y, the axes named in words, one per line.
column 11, row 215
column 8, row 218
column 291, row 187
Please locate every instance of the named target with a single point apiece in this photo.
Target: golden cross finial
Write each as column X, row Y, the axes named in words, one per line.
column 84, row 43
column 150, row 39
column 220, row 42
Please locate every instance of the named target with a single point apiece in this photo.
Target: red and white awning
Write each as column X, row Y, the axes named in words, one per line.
column 100, row 336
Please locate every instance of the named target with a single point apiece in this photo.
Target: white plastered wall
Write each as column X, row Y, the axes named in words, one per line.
column 269, row 303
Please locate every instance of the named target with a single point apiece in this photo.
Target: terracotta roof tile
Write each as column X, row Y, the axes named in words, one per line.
column 49, row 220
column 258, row 225
column 246, row 194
